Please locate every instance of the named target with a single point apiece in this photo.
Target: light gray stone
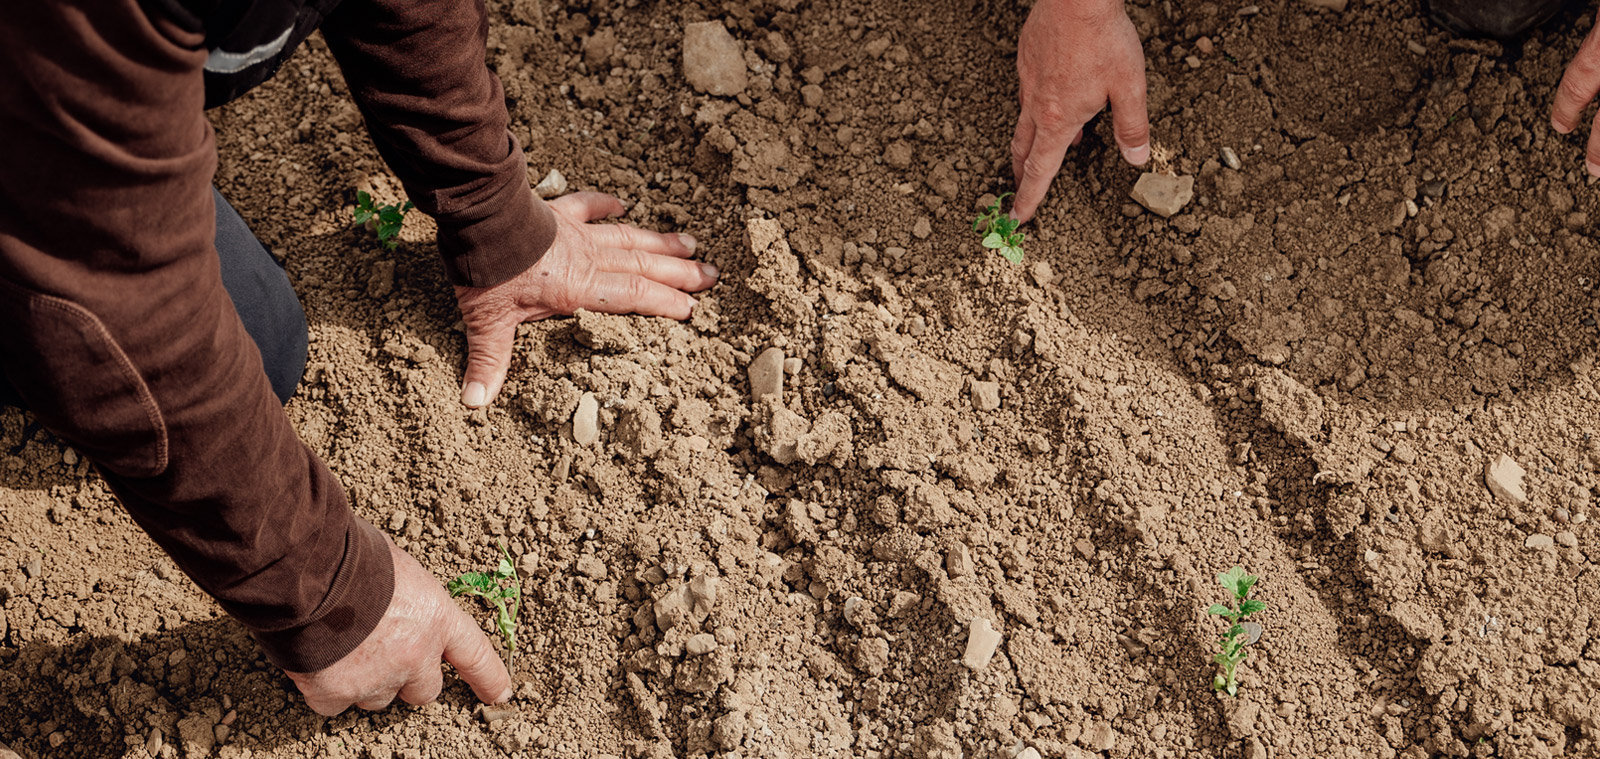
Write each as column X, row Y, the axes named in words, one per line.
column 1163, row 194
column 586, row 420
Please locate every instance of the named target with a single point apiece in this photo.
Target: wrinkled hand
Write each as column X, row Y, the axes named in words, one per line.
column 1579, row 85
column 1072, row 58
column 401, row 656
column 612, row 268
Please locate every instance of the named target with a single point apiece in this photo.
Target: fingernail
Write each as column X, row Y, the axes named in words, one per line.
column 1556, row 125
column 1137, row 156
column 1594, row 168
column 708, row 270
column 474, row 395
column 688, row 242
column 505, row 695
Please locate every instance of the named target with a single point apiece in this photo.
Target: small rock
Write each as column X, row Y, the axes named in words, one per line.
column 712, row 61
column 6, row 753
column 1253, row 749
column 152, row 742
column 793, row 365
column 898, row 154
column 922, row 228
column 703, row 590
column 221, row 732
column 1337, row 6
column 1162, row 193
column 1564, row 538
column 985, row 395
column 766, row 375
column 958, row 561
column 902, row 603
column 1539, row 541
column 397, row 520
column 1028, row 752
column 1404, row 453
column 492, row 713
column 33, row 568
column 701, row 644
column 196, row 735
column 586, row 420
column 982, row 640
column 592, row 568
column 1099, row 737
column 1504, row 478
column 552, row 185
column 1230, row 158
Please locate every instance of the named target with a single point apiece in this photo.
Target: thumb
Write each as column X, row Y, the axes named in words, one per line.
column 488, row 358
column 1130, row 121
column 470, row 652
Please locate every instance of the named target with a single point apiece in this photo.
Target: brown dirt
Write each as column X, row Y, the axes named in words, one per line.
column 1296, row 374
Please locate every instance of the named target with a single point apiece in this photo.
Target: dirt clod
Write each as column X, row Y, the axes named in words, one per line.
column 712, row 61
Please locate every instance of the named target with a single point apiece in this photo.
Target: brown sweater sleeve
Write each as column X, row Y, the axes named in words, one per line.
column 120, row 338
column 438, row 117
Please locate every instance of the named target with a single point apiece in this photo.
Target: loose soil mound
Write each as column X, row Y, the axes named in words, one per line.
column 1306, row 372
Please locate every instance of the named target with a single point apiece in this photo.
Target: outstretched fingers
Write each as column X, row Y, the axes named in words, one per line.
column 615, row 293
column 677, row 273
column 629, row 237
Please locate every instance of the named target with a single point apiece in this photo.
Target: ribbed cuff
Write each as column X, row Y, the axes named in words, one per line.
column 358, row 599
column 487, row 251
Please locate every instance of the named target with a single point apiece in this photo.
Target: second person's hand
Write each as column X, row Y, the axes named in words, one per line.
column 1073, row 57
column 611, row 268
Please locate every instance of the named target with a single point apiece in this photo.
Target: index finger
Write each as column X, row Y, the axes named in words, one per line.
column 1040, row 167
column 470, row 652
column 1579, row 83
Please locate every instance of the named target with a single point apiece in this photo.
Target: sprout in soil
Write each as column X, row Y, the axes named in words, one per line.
column 999, row 231
column 502, row 590
column 1241, row 632
column 385, row 220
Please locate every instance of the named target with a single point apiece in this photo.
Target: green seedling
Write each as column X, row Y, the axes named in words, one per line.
column 385, row 220
column 999, row 231
column 502, row 590
column 1241, row 632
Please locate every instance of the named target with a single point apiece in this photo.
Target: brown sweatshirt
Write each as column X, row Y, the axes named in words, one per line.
column 115, row 328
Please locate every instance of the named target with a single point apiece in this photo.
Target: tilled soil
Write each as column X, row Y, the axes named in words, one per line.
column 1306, row 372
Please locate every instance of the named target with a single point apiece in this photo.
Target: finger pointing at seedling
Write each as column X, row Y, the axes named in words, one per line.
column 474, row 657
column 1579, row 84
column 1074, row 57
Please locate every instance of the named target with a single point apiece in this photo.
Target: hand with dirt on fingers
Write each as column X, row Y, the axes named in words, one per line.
column 1579, row 85
column 401, row 656
column 1073, row 57
column 611, row 268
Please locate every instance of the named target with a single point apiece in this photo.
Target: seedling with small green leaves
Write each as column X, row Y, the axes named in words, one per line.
column 1241, row 632
column 503, row 591
column 999, row 231
column 385, row 220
